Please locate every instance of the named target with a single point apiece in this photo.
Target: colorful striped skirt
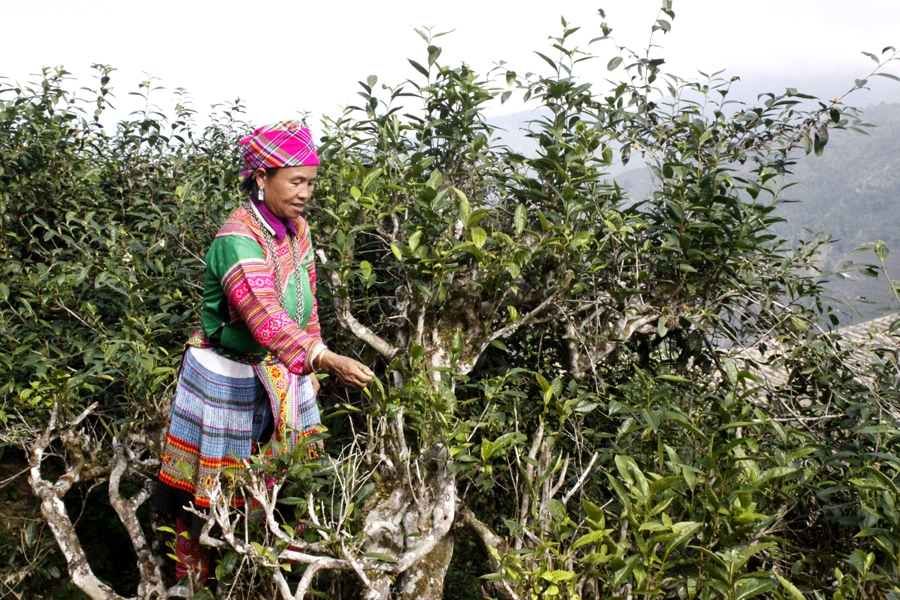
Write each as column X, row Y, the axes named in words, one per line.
column 222, row 408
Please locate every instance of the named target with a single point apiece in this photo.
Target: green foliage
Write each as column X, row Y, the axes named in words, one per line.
column 101, row 234
column 100, row 243
column 634, row 398
column 848, row 193
column 696, row 464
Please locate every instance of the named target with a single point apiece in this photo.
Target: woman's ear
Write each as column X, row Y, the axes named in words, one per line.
column 260, row 176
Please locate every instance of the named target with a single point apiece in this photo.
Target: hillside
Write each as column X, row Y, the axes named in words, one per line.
column 853, row 189
column 852, row 192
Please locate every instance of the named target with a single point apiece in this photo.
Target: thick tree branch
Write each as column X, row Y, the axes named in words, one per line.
column 151, row 577
column 54, row 512
column 349, row 322
column 528, row 318
column 493, row 541
column 485, row 534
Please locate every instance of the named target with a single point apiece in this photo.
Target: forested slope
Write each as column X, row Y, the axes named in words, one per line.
column 851, row 192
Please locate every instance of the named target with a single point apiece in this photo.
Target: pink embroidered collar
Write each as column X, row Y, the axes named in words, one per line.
column 279, row 227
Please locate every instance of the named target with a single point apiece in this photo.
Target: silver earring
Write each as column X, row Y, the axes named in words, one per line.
column 261, row 195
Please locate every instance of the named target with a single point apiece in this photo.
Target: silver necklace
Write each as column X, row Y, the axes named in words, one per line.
column 280, row 283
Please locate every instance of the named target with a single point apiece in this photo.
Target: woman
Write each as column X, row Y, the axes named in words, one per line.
column 249, row 374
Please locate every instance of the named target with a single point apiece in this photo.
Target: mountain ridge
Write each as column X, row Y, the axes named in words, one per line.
column 851, row 192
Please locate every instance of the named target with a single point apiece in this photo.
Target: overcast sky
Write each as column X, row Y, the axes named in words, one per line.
column 282, row 57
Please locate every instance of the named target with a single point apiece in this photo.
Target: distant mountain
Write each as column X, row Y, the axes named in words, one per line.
column 853, row 189
column 852, row 192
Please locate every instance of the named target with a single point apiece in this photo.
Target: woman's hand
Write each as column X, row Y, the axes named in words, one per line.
column 351, row 372
column 315, row 383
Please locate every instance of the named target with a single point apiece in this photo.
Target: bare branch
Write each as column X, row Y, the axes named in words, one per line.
column 491, row 539
column 84, row 414
column 529, row 473
column 60, row 304
column 356, row 566
column 283, row 587
column 484, row 533
column 560, row 480
column 307, row 579
column 151, row 577
column 581, row 479
column 349, row 322
column 54, row 512
column 530, row 316
column 397, row 423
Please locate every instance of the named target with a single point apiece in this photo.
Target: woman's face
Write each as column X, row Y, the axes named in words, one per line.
column 287, row 190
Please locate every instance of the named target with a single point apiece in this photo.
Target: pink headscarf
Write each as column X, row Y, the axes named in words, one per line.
column 284, row 144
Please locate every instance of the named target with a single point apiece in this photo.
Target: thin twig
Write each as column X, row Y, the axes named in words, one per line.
column 581, row 479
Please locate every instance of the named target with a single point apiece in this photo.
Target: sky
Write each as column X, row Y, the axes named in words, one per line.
column 283, row 58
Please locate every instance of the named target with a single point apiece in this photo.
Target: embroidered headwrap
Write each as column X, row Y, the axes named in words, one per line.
column 284, row 144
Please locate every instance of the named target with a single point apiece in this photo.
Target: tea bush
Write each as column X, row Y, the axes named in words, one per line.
column 610, row 396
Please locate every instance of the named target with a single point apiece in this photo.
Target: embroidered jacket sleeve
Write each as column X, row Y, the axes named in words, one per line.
column 248, row 283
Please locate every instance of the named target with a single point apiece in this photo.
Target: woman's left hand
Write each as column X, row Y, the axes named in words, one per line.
column 315, row 383
column 351, row 372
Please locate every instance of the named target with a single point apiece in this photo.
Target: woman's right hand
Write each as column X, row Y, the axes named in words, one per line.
column 351, row 372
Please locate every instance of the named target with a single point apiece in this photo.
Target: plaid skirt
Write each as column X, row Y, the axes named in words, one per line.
column 221, row 409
